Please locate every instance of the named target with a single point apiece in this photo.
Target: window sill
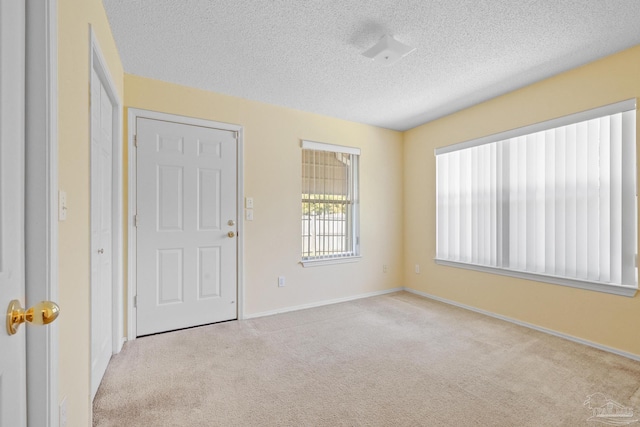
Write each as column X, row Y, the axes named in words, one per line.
column 329, row 261
column 609, row 288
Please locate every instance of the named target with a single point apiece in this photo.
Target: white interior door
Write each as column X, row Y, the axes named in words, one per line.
column 101, row 231
column 13, row 389
column 186, row 232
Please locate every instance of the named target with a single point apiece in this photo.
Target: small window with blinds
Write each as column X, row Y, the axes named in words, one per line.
column 330, row 208
column 553, row 202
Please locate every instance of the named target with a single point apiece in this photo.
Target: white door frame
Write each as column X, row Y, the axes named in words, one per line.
column 98, row 63
column 41, row 213
column 133, row 115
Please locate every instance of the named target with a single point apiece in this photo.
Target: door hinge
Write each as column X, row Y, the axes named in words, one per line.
column 135, row 141
column 235, row 135
column 135, row 301
column 135, row 220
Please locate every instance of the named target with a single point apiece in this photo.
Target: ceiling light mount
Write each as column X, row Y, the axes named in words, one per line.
column 388, row 50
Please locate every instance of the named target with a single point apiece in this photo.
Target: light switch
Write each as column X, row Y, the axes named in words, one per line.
column 249, row 214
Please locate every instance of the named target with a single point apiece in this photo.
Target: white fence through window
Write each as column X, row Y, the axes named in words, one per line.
column 329, row 201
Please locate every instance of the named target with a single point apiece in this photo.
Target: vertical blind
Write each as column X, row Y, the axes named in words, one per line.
column 556, row 199
column 329, row 201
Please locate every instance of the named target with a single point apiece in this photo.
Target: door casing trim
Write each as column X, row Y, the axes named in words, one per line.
column 41, row 199
column 132, row 115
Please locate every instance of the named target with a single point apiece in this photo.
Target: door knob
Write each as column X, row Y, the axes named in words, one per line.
column 231, row 234
column 42, row 313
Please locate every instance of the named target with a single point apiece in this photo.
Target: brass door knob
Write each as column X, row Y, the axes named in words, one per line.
column 231, row 234
column 42, row 313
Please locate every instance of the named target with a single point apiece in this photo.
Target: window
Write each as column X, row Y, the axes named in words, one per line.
column 330, row 208
column 553, row 202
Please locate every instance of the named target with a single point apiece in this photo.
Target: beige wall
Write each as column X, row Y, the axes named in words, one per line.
column 273, row 177
column 601, row 318
column 74, row 18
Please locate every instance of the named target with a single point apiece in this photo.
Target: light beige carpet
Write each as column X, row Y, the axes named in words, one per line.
column 393, row 360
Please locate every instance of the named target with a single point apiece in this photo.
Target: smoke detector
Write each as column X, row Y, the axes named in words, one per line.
column 388, row 50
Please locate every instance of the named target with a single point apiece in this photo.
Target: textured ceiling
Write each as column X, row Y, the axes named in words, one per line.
column 307, row 54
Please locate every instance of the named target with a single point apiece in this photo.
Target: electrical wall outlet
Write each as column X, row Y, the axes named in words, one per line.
column 63, row 413
column 248, row 203
column 417, row 268
column 62, row 205
column 281, row 281
column 385, row 268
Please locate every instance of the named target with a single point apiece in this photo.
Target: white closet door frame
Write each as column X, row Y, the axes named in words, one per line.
column 98, row 63
column 133, row 115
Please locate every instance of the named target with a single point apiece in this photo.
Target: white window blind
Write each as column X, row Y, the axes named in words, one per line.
column 330, row 204
column 556, row 200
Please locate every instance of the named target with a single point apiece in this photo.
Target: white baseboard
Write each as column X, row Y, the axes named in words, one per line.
column 321, row 303
column 120, row 344
column 527, row 325
column 450, row 302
